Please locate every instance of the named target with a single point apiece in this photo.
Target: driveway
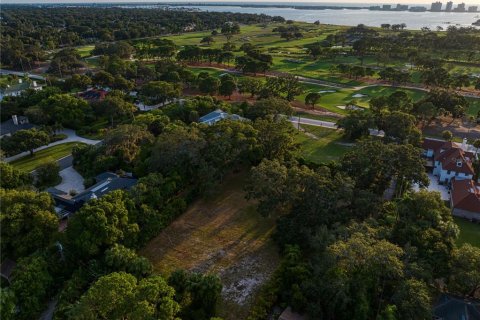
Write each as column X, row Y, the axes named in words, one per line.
column 435, row 186
column 71, row 180
column 71, row 137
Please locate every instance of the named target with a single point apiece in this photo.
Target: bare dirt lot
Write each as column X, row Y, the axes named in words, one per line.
column 223, row 235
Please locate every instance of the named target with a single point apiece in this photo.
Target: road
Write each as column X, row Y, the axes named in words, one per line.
column 22, row 74
column 71, row 137
column 327, row 124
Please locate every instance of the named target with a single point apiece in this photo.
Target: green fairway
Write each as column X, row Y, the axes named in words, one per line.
column 469, row 232
column 85, row 51
column 321, row 145
column 29, row 163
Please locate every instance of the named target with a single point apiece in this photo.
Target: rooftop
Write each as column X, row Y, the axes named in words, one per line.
column 452, row 308
column 9, row 126
column 466, row 195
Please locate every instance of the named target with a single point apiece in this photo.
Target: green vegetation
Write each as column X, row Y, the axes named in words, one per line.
column 469, row 232
column 321, row 145
column 51, row 154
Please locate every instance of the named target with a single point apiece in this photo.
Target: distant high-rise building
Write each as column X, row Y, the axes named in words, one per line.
column 472, row 9
column 417, row 9
column 449, row 6
column 436, row 6
column 401, row 7
column 387, row 7
column 460, row 8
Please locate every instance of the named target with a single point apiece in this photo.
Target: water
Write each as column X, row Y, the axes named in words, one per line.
column 349, row 17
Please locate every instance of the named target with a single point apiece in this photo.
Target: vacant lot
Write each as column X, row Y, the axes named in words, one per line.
column 223, row 235
column 321, row 145
column 29, row 163
column 469, row 232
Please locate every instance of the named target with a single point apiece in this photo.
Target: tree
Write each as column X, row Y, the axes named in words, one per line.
column 270, row 107
column 207, row 39
column 29, row 140
column 156, row 92
column 47, row 175
column 249, row 85
column 7, row 304
column 276, row 139
column 288, row 85
column 28, row 222
column 476, row 144
column 447, row 135
column 227, row 86
column 400, row 127
column 125, row 142
column 31, row 285
column 11, row 178
column 99, row 225
column 312, row 98
column 78, row 82
column 208, row 85
column 103, row 78
column 356, row 124
column 116, row 107
column 119, row 258
column 69, row 111
column 150, row 298
column 465, row 271
column 425, row 223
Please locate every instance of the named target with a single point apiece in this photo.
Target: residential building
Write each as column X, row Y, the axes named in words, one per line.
column 17, row 89
column 449, row 6
column 217, row 115
column 93, row 95
column 448, row 160
column 402, row 7
column 9, row 127
column 473, row 9
column 436, row 6
column 449, row 307
column 465, row 199
column 387, row 7
column 66, row 204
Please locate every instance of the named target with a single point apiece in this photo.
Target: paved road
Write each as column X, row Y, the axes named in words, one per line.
column 71, row 137
column 22, row 74
column 327, row 124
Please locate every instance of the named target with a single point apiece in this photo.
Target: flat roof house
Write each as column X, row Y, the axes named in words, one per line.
column 217, row 115
column 465, row 200
column 9, row 127
column 106, row 182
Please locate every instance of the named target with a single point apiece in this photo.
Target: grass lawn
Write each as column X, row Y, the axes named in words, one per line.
column 85, row 51
column 224, row 235
column 474, row 108
column 29, row 163
column 469, row 232
column 321, row 145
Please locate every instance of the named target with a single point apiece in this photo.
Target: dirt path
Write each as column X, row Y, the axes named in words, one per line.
column 224, row 235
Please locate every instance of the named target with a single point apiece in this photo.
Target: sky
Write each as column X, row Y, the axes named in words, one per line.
column 424, row 2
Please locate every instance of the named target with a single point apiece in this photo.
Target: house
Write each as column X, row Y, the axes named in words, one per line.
column 93, row 95
column 449, row 307
column 217, row 115
column 465, row 199
column 9, row 127
column 18, row 88
column 66, row 204
column 448, row 160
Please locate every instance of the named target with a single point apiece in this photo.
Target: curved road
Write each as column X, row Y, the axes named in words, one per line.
column 71, row 137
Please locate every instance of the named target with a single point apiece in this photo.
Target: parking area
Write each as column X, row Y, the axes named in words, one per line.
column 71, row 180
column 436, row 186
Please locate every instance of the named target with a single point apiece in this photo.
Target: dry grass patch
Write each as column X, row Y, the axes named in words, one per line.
column 224, row 235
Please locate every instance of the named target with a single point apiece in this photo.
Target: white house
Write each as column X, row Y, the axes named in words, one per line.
column 17, row 89
column 451, row 161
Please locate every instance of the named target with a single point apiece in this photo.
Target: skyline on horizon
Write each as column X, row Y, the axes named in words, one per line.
column 356, row 2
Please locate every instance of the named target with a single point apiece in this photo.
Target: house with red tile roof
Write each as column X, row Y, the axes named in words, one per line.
column 450, row 160
column 465, row 199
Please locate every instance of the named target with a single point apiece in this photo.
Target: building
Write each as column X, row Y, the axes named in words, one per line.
column 418, row 9
column 436, row 6
column 465, row 199
column 401, row 7
column 66, row 204
column 448, row 160
column 217, row 115
column 460, row 8
column 387, row 7
column 449, row 6
column 93, row 95
column 473, row 9
column 449, row 307
column 17, row 89
column 9, row 127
